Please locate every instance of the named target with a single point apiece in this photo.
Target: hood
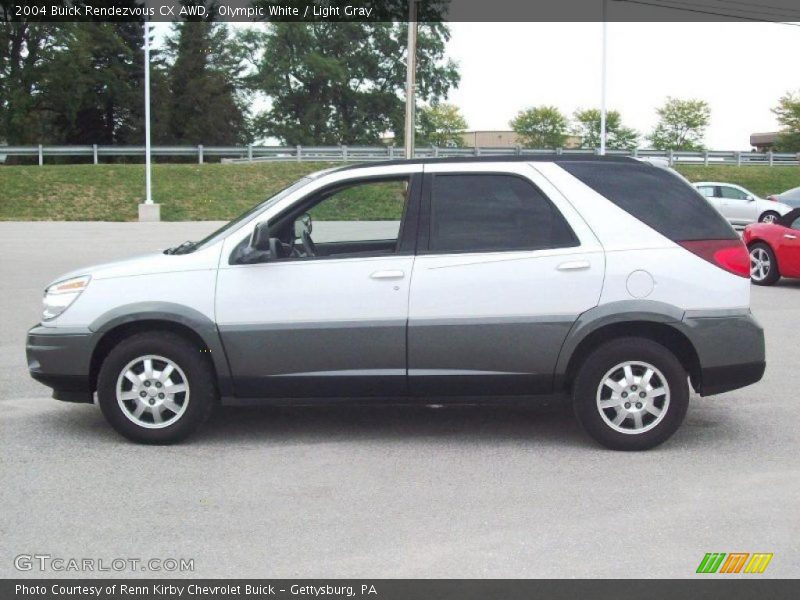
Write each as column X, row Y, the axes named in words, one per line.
column 149, row 264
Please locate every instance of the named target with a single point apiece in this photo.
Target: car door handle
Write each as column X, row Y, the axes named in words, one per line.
column 789, row 236
column 388, row 275
column 574, row 265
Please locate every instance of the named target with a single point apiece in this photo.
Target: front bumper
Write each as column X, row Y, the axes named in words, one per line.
column 61, row 359
column 730, row 349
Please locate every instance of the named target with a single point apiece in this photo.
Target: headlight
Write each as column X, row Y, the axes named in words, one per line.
column 59, row 296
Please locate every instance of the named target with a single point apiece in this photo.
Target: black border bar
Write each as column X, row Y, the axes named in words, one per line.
column 783, row 11
column 702, row 588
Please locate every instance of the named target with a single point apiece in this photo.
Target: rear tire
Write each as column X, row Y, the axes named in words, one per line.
column 763, row 264
column 631, row 394
column 156, row 388
column 769, row 217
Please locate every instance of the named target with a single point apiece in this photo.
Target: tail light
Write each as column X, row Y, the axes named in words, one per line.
column 773, row 198
column 730, row 255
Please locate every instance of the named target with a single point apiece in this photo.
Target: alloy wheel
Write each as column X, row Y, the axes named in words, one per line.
column 152, row 391
column 760, row 264
column 633, row 397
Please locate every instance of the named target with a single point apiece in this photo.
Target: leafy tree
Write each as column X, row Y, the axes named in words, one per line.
column 682, row 125
column 788, row 114
column 343, row 83
column 205, row 106
column 440, row 125
column 541, row 127
column 25, row 49
column 618, row 137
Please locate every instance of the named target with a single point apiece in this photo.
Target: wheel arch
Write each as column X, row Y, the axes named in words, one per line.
column 655, row 321
column 123, row 322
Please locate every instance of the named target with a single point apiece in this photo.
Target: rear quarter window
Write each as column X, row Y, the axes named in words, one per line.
column 655, row 196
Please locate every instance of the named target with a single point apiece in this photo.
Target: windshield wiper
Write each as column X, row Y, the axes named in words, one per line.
column 183, row 248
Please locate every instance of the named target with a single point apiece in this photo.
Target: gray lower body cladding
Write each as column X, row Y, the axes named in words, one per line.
column 729, row 346
column 424, row 359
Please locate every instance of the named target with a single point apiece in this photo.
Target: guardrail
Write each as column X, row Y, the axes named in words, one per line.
column 247, row 154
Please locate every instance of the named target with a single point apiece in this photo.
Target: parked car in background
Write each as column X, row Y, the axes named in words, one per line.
column 739, row 205
column 789, row 197
column 774, row 249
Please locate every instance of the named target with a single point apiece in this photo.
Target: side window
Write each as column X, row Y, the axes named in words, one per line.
column 360, row 219
column 475, row 213
column 796, row 224
column 732, row 193
column 707, row 190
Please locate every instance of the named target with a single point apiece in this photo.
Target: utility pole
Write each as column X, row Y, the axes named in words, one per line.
column 603, row 123
column 411, row 69
column 148, row 211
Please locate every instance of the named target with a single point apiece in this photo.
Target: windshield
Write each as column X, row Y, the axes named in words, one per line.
column 219, row 233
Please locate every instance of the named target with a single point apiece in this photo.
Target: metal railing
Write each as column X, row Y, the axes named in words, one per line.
column 247, row 154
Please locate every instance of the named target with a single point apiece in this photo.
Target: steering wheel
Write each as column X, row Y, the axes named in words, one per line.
column 308, row 244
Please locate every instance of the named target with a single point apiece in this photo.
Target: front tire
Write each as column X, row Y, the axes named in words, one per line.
column 769, row 217
column 631, row 394
column 763, row 265
column 156, row 388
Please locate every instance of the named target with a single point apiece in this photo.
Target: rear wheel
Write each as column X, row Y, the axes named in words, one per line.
column 763, row 265
column 631, row 394
column 768, row 217
column 155, row 388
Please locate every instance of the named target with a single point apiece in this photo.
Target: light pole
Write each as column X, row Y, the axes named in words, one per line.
column 603, row 86
column 411, row 68
column 148, row 211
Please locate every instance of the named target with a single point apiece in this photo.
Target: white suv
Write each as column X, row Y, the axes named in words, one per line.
column 606, row 281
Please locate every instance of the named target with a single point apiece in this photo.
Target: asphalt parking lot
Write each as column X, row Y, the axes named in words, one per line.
column 400, row 492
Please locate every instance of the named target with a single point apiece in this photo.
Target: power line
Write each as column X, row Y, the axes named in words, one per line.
column 711, row 11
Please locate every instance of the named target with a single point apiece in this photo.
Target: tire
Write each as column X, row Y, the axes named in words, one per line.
column 180, row 411
column 606, row 363
column 769, row 216
column 763, row 264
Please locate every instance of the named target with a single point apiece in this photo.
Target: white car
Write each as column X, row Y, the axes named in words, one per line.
column 486, row 280
column 739, row 205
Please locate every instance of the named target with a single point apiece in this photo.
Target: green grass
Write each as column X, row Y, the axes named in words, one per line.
column 220, row 192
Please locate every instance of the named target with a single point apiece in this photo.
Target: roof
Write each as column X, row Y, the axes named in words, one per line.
column 556, row 158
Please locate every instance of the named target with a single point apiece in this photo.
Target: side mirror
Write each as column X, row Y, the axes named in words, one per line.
column 260, row 239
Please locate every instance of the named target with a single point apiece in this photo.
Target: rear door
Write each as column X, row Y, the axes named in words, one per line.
column 504, row 267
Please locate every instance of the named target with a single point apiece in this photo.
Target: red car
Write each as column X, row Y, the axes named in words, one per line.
column 774, row 248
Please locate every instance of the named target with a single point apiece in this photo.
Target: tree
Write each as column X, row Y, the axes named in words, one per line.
column 440, row 125
column 205, row 106
column 541, row 127
column 343, row 82
column 618, row 137
column 788, row 114
column 682, row 125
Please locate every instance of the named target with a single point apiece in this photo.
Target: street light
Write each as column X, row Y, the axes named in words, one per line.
column 148, row 211
column 411, row 68
column 603, row 86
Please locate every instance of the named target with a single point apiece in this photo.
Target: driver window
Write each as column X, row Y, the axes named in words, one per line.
column 361, row 219
column 795, row 224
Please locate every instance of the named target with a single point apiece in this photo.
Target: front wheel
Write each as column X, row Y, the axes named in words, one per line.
column 769, row 217
column 631, row 394
column 155, row 388
column 763, row 265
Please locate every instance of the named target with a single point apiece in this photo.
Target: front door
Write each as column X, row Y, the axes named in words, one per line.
column 737, row 205
column 328, row 318
column 503, row 270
